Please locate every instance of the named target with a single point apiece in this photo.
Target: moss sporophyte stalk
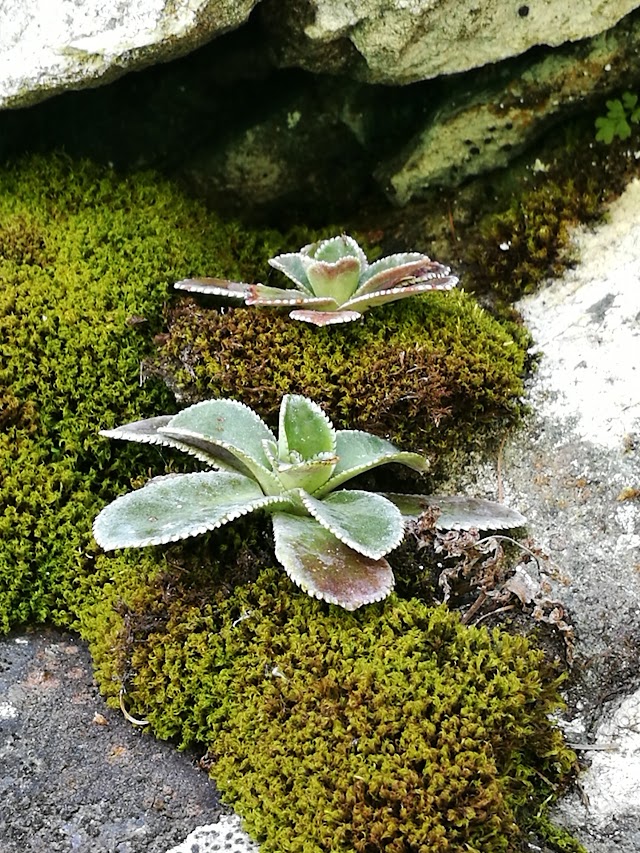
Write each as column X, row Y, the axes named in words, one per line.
column 395, row 728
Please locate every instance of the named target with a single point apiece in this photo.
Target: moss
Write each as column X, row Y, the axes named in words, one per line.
column 436, row 374
column 521, row 246
column 394, row 728
column 84, row 257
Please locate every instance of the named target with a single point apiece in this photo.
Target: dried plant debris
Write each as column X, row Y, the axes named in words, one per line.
column 484, row 576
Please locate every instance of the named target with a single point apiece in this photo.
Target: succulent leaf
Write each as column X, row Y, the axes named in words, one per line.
column 387, row 272
column 147, row 431
column 304, row 429
column 337, row 280
column 215, row 287
column 335, row 248
column 325, row 318
column 325, row 567
column 261, row 295
column 308, row 475
column 170, row 508
column 293, row 265
column 229, row 433
column 360, row 451
column 458, row 512
column 365, row 521
column 371, row 300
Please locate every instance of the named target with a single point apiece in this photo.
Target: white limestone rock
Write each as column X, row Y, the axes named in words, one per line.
column 49, row 46
column 402, row 41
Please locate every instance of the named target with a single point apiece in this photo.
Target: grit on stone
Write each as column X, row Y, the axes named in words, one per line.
column 75, row 775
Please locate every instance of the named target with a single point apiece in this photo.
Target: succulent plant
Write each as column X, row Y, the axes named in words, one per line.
column 331, row 543
column 334, row 282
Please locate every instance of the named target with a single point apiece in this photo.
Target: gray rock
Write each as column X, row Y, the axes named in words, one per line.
column 46, row 48
column 482, row 128
column 74, row 774
column 386, row 41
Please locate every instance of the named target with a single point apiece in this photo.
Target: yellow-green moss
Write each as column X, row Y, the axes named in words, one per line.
column 394, row 728
column 84, row 257
column 408, row 731
column 435, row 374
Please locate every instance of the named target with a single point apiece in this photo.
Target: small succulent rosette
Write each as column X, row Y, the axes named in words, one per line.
column 334, row 282
column 331, row 541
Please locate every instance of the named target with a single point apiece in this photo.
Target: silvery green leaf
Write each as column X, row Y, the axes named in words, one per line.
column 364, row 521
column 381, row 297
column 277, row 297
column 335, row 248
column 214, row 287
column 360, row 451
column 337, row 280
column 304, row 429
column 228, row 432
column 293, row 265
column 458, row 512
column 170, row 508
column 390, row 270
column 325, row 318
column 325, row 567
column 147, row 432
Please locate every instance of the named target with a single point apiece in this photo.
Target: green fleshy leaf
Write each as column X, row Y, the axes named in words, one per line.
column 230, row 432
column 261, row 295
column 227, row 421
column 325, row 318
column 390, row 270
column 325, row 567
column 148, row 432
column 335, row 248
column 308, row 475
column 371, row 300
column 365, row 521
column 293, row 265
column 177, row 506
column 337, row 280
column 458, row 512
column 305, row 431
column 359, row 451
column 215, row 287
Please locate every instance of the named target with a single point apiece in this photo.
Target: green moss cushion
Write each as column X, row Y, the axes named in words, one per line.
column 86, row 264
column 434, row 373
column 390, row 729
column 394, row 728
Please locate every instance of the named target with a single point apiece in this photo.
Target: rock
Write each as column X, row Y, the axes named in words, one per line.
column 606, row 815
column 46, row 48
column 382, row 41
column 480, row 129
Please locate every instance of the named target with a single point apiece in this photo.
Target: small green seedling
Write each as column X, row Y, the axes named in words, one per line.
column 621, row 114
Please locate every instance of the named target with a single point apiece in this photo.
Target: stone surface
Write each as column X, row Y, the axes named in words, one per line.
column 477, row 130
column 386, row 41
column 574, row 472
column 74, row 774
column 48, row 47
column 225, row 836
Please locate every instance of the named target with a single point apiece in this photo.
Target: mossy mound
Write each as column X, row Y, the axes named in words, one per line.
column 86, row 263
column 435, row 374
column 445, row 727
column 394, row 728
